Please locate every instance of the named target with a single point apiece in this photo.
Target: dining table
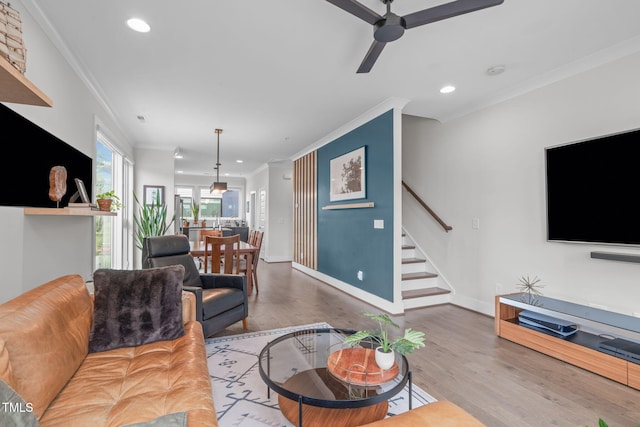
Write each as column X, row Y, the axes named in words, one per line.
column 197, row 249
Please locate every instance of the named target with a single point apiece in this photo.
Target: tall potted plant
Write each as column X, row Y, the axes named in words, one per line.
column 195, row 208
column 384, row 355
column 151, row 220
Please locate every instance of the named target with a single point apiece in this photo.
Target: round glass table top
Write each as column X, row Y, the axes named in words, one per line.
column 316, row 367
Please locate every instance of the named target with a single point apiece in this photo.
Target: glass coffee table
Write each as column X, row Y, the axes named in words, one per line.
column 321, row 381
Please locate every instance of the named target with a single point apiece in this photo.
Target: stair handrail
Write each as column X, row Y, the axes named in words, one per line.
column 427, row 208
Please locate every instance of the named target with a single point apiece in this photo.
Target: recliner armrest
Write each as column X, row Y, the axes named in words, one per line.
column 213, row 280
column 198, row 294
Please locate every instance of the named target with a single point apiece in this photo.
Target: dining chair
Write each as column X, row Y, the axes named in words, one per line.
column 201, row 236
column 257, row 242
column 222, row 259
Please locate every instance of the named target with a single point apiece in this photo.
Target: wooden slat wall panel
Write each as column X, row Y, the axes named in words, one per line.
column 304, row 215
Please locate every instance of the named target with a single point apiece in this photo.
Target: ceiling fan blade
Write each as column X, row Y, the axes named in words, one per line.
column 357, row 9
column 447, row 10
column 371, row 56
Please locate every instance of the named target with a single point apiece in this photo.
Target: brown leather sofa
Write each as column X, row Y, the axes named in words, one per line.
column 44, row 338
column 437, row 414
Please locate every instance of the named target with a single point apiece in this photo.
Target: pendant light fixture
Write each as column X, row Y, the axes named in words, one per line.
column 218, row 187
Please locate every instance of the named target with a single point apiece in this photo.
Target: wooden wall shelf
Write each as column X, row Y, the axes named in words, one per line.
column 15, row 87
column 66, row 212
column 349, row 206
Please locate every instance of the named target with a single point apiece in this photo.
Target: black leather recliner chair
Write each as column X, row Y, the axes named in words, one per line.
column 221, row 299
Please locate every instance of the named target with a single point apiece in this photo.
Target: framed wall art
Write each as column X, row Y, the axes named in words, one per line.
column 347, row 174
column 152, row 192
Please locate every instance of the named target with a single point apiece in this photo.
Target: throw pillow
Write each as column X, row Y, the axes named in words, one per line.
column 135, row 307
column 14, row 411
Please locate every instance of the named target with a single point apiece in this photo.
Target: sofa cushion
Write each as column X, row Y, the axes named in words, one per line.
column 135, row 384
column 437, row 414
column 56, row 319
column 135, row 307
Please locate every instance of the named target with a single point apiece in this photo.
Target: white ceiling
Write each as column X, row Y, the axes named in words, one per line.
column 279, row 75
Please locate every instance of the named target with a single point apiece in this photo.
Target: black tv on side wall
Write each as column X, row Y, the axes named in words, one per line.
column 593, row 190
column 29, row 154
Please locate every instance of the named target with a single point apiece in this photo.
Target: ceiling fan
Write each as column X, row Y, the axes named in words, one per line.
column 391, row 27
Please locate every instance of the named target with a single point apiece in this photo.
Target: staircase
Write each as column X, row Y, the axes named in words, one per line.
column 421, row 286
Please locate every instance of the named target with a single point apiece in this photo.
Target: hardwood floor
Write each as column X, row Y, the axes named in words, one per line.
column 499, row 382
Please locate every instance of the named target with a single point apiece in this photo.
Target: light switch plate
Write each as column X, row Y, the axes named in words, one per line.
column 378, row 223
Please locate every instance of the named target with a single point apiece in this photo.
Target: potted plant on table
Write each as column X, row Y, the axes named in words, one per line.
column 195, row 209
column 384, row 354
column 108, row 201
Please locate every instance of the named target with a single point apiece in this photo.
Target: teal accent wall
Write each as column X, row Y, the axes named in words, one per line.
column 347, row 241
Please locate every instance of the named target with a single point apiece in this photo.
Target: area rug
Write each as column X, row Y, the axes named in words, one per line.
column 239, row 393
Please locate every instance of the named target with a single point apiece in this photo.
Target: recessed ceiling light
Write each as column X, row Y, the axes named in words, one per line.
column 179, row 171
column 239, row 161
column 138, row 25
column 447, row 89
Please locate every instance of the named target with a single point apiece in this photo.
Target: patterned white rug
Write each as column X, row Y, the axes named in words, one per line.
column 239, row 393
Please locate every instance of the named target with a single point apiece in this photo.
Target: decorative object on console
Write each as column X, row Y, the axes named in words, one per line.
column 57, row 183
column 531, row 289
column 410, row 341
column 135, row 307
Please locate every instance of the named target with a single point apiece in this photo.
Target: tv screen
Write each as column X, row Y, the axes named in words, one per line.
column 29, row 154
column 593, row 190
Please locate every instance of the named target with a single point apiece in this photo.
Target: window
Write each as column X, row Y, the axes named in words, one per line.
column 231, row 204
column 210, row 205
column 113, row 245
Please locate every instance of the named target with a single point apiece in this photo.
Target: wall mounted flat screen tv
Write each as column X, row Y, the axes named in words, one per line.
column 29, row 154
column 593, row 190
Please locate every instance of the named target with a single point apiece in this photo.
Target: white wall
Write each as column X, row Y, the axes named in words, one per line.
column 490, row 165
column 277, row 241
column 36, row 249
column 151, row 169
column 278, row 248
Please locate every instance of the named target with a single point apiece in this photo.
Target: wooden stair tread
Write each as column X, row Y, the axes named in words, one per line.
column 427, row 292
column 418, row 275
column 408, row 247
column 412, row 260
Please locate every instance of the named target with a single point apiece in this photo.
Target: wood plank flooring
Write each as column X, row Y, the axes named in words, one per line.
column 501, row 383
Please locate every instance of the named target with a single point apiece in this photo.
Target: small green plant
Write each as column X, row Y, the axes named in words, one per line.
column 151, row 220
column 410, row 341
column 115, row 200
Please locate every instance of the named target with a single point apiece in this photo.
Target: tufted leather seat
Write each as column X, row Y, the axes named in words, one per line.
column 44, row 337
column 221, row 299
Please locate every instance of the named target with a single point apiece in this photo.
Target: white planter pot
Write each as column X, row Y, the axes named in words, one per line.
column 385, row 360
